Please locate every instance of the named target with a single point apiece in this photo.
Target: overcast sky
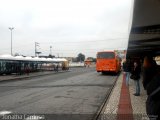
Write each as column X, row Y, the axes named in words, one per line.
column 69, row 26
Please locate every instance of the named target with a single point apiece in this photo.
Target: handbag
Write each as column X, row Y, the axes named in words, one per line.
column 134, row 77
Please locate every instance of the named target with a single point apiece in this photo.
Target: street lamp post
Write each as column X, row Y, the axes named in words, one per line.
column 50, row 50
column 36, row 52
column 11, row 28
column 36, row 44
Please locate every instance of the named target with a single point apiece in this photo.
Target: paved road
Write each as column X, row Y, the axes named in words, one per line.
column 81, row 91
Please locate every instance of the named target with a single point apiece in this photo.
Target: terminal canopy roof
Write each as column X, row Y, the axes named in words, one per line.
column 144, row 38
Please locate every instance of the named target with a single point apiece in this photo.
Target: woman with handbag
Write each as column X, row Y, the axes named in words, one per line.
column 136, row 77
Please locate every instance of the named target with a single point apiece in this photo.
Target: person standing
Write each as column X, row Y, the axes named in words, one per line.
column 27, row 69
column 151, row 83
column 149, row 70
column 127, row 70
column 136, row 73
column 57, row 67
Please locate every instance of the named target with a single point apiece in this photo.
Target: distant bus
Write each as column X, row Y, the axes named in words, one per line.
column 107, row 61
column 87, row 63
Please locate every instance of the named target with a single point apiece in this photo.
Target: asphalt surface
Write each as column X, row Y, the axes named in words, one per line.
column 71, row 95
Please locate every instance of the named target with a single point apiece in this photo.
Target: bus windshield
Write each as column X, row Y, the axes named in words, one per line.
column 108, row 55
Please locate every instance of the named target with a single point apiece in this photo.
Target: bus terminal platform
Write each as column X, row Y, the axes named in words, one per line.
column 123, row 105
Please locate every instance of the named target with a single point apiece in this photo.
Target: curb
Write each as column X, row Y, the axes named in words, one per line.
column 32, row 76
column 102, row 107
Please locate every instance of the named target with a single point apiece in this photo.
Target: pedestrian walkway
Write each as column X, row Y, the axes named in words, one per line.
column 25, row 76
column 123, row 105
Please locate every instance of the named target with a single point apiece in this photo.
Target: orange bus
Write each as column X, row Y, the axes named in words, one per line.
column 107, row 61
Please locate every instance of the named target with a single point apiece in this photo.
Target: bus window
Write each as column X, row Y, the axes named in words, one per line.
column 109, row 55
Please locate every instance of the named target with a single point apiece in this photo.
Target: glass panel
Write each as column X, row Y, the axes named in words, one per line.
column 108, row 55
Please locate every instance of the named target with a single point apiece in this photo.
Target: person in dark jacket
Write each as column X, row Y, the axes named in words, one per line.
column 149, row 70
column 57, row 67
column 153, row 99
column 136, row 73
column 151, row 83
column 127, row 70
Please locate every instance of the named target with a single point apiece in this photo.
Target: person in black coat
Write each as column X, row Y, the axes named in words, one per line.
column 153, row 99
column 149, row 70
column 136, row 73
column 151, row 83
